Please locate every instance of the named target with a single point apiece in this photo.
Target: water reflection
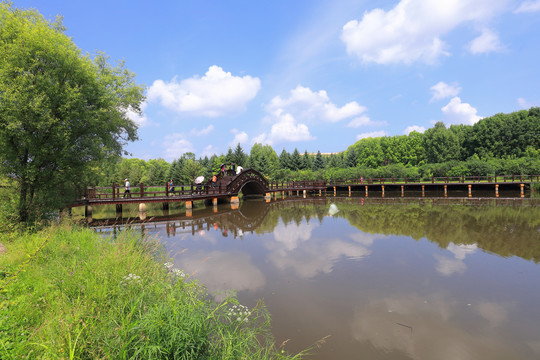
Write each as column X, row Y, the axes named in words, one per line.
column 387, row 278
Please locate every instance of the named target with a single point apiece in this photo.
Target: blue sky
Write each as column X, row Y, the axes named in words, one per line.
column 309, row 74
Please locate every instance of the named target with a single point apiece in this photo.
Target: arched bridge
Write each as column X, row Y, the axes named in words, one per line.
column 248, row 182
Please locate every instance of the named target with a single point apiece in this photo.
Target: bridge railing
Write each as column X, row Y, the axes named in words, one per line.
column 116, row 191
column 436, row 180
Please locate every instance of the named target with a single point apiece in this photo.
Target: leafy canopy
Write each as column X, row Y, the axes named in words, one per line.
column 61, row 112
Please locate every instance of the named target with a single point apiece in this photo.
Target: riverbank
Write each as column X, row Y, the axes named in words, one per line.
column 66, row 292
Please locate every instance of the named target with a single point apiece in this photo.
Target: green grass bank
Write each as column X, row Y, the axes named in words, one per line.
column 68, row 293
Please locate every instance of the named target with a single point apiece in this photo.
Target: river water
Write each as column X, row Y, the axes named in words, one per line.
column 385, row 278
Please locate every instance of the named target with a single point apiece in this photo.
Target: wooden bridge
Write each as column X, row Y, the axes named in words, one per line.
column 251, row 183
column 227, row 187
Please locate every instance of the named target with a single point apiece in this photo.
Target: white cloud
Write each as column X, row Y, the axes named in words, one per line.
column 410, row 129
column 139, row 118
column 372, row 134
column 239, row 137
column 207, row 130
column 306, row 104
column 217, row 93
column 442, row 90
column 487, row 42
column 528, row 7
column 412, row 30
column 176, row 145
column 208, row 151
column 456, row 112
column 360, row 121
column 285, row 129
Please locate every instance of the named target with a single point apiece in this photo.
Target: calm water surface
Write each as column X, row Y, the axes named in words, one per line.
column 385, row 278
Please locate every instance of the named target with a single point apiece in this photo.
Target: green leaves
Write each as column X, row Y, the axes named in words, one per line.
column 60, row 112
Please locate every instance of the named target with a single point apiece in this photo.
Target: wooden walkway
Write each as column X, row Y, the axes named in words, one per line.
column 251, row 183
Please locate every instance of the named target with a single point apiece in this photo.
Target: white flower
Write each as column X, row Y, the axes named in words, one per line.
column 179, row 273
column 168, row 265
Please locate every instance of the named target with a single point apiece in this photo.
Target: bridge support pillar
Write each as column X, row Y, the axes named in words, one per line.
column 402, row 190
column 189, row 204
column 470, row 190
column 305, row 194
column 349, row 191
column 283, row 194
column 235, row 202
column 189, row 212
column 118, row 210
column 334, row 191
column 423, row 191
column 142, row 207
column 268, row 197
column 366, row 192
column 214, row 202
column 320, row 192
column 382, row 187
column 445, row 190
column 88, row 211
column 522, row 187
column 497, row 190
column 165, row 206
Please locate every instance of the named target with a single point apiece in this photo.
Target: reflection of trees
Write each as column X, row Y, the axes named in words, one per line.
column 503, row 230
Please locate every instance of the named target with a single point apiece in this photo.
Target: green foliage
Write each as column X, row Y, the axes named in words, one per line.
column 84, row 297
column 61, row 113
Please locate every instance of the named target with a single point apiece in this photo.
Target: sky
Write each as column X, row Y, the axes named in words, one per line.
column 313, row 75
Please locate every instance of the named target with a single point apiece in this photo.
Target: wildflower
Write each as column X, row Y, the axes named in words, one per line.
column 168, row 265
column 179, row 273
column 131, row 279
column 241, row 313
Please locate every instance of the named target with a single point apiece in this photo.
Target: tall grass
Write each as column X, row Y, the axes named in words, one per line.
column 67, row 293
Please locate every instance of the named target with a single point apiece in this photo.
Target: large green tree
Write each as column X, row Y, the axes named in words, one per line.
column 61, row 112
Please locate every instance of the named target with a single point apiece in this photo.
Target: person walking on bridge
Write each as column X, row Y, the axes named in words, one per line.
column 126, row 189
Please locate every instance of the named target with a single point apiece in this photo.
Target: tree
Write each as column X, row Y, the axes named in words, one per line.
column 284, row 159
column 319, row 161
column 61, row 113
column 296, row 160
column 307, row 164
column 441, row 144
column 240, row 157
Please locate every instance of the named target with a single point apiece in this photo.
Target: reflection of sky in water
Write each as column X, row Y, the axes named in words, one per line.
column 379, row 296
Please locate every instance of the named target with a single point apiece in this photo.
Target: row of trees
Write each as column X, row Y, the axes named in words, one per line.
column 502, row 144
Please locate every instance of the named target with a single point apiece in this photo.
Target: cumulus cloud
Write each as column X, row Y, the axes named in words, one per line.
column 176, row 145
column 217, row 93
column 305, row 104
column 410, row 129
column 372, row 134
column 457, row 112
column 207, row 130
column 487, row 42
column 442, row 90
column 138, row 118
column 240, row 137
column 412, row 30
column 528, row 7
column 286, row 129
column 357, row 122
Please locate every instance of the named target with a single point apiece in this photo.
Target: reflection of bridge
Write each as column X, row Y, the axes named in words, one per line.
column 248, row 182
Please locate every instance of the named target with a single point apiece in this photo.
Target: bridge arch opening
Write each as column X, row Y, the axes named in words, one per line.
column 252, row 189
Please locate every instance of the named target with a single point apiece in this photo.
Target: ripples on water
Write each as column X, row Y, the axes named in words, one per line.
column 386, row 278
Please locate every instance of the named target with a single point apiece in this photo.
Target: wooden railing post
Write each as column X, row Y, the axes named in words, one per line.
column 113, row 190
column 432, row 179
column 166, row 189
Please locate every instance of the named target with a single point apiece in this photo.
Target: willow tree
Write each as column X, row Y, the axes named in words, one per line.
column 62, row 113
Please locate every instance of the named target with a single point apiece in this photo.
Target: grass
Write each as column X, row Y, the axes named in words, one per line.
column 67, row 293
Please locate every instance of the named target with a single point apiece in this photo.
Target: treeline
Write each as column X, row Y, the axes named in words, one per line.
column 501, row 144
